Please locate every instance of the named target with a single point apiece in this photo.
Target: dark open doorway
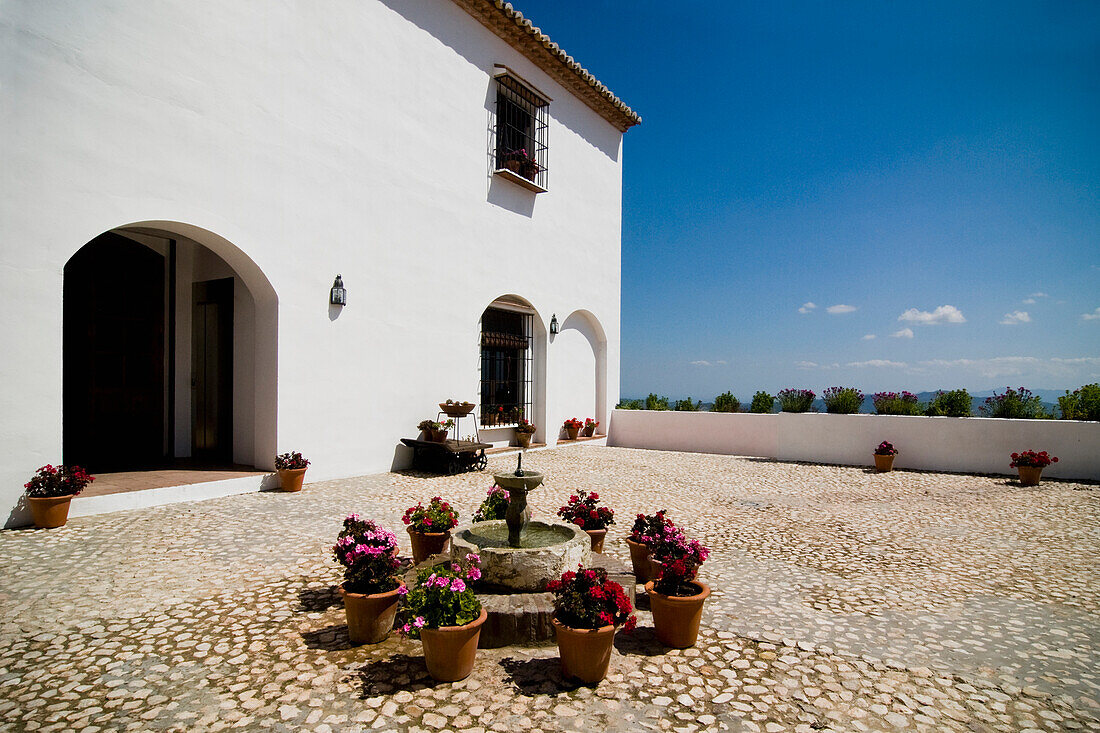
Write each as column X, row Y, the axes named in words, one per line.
column 212, row 370
column 113, row 405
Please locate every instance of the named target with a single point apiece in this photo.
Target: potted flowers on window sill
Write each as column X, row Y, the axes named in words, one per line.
column 494, row 506
column 884, row 456
column 429, row 527
column 521, row 162
column 524, row 431
column 435, row 432
column 572, row 427
column 1030, row 465
column 445, row 614
column 646, row 528
column 588, row 608
column 676, row 597
column 50, row 492
column 583, row 511
column 292, row 470
column 370, row 590
column 456, row 409
column 590, row 426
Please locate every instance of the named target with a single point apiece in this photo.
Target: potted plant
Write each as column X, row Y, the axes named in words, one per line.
column 521, row 162
column 445, row 614
column 884, row 456
column 676, row 597
column 572, row 427
column 51, row 490
column 583, row 511
column 429, row 527
column 434, row 431
column 292, row 470
column 494, row 506
column 590, row 426
column 646, row 527
column 524, row 431
column 371, row 591
column 456, row 409
column 1030, row 465
column 588, row 608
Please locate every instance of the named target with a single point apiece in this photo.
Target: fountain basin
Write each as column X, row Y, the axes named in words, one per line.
column 560, row 547
column 529, row 480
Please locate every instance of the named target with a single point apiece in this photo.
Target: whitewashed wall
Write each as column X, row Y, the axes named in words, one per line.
column 298, row 141
column 969, row 445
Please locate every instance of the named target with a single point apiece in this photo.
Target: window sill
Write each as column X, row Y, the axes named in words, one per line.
column 516, row 178
column 500, row 426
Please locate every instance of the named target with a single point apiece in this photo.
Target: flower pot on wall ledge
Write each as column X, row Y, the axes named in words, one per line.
column 523, row 439
column 572, row 433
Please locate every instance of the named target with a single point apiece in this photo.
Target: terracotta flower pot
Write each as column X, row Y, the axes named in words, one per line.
column 437, row 436
column 455, row 409
column 676, row 618
column 370, row 615
column 597, row 536
column 291, row 478
column 426, row 544
column 524, row 439
column 589, row 430
column 1030, row 475
column 50, row 511
column 572, row 433
column 639, row 559
column 450, row 651
column 884, row 463
column 585, row 653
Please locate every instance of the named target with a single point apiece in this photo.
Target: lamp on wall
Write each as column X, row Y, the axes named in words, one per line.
column 338, row 295
column 554, row 323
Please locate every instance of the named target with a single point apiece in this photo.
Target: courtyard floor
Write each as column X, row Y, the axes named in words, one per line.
column 843, row 600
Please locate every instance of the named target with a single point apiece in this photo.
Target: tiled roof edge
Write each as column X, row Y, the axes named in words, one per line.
column 508, row 23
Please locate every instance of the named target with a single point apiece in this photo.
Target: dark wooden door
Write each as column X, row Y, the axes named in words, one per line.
column 212, row 370
column 113, row 359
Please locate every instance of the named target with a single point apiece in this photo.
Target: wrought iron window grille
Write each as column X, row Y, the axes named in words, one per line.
column 518, row 134
column 506, row 367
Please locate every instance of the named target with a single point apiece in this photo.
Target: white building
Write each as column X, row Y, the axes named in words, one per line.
column 181, row 182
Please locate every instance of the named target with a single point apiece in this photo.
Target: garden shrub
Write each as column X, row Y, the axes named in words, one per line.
column 1013, row 403
column 726, row 402
column 687, row 405
column 841, row 400
column 954, row 403
column 1081, row 404
column 795, row 400
column 630, row 405
column 892, row 403
column 762, row 403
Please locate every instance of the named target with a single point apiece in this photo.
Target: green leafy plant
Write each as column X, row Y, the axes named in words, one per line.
column 1081, row 404
column 1013, row 403
column 653, row 402
column 442, row 596
column 762, row 403
column 952, row 403
column 795, row 400
column 892, row 403
column 726, row 402
column 842, row 400
column 494, row 506
column 630, row 405
column 688, row 405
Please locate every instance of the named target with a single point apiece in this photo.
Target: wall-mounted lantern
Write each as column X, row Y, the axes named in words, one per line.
column 338, row 295
column 554, row 323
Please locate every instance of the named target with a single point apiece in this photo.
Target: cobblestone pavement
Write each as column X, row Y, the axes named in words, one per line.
column 843, row 600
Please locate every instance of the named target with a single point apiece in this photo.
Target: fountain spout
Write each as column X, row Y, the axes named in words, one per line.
column 518, row 484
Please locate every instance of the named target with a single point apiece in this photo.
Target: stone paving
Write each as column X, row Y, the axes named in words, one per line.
column 843, row 600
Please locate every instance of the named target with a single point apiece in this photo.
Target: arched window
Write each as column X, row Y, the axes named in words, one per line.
column 506, row 365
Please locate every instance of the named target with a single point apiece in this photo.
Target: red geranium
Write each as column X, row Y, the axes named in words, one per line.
column 1030, row 458
column 586, row 599
column 583, row 511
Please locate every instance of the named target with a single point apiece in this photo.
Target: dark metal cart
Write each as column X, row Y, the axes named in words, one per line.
column 449, row 457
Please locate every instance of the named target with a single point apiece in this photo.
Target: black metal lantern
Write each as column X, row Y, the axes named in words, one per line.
column 554, row 323
column 338, row 295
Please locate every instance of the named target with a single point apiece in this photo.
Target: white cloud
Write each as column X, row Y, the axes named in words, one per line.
column 997, row 366
column 869, row 337
column 942, row 314
column 877, row 363
column 1015, row 317
column 840, row 308
column 1095, row 315
column 807, row 307
column 1038, row 295
column 905, row 333
column 806, row 364
column 1029, row 301
column 706, row 363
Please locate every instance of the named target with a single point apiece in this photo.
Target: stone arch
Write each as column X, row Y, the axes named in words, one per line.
column 240, row 360
column 538, row 343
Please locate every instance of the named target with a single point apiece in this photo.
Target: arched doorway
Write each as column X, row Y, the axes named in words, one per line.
column 580, row 351
column 169, row 355
column 512, row 370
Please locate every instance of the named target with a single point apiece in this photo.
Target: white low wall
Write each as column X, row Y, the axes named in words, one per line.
column 968, row 445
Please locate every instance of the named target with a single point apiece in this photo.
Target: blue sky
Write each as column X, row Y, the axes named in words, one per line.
column 933, row 167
